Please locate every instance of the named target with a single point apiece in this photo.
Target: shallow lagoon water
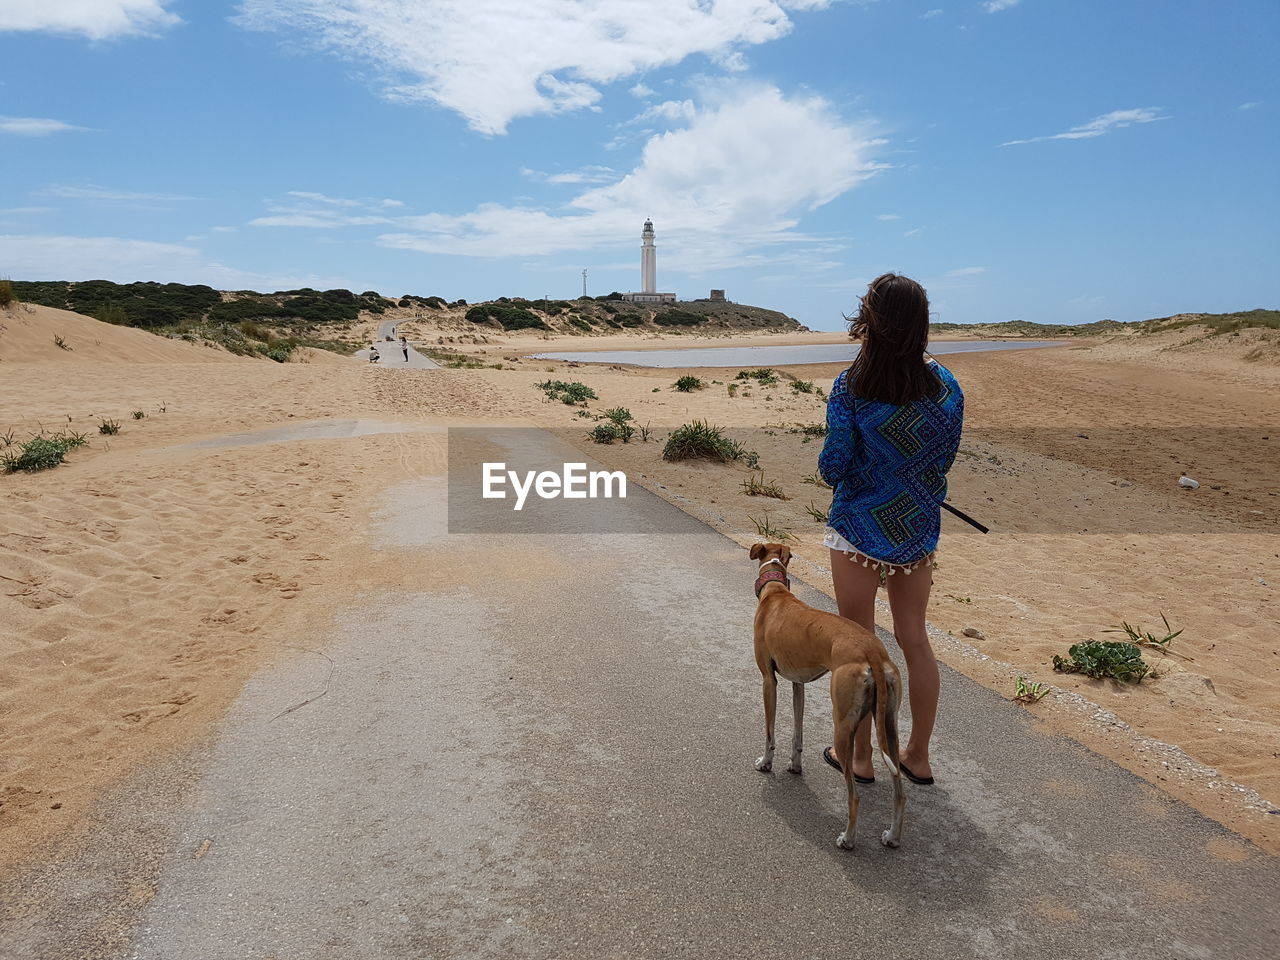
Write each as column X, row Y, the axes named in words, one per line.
column 779, row 356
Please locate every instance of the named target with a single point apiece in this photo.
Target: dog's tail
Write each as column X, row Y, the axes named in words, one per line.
column 887, row 697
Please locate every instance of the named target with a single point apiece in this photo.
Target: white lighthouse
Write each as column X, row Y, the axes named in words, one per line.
column 648, row 260
column 648, row 271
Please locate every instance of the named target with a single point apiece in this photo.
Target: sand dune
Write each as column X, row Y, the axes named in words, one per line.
column 28, row 334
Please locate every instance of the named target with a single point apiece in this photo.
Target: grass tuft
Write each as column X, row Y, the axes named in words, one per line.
column 766, row 529
column 109, row 427
column 1145, row 638
column 755, row 486
column 688, row 384
column 701, row 441
column 819, row 515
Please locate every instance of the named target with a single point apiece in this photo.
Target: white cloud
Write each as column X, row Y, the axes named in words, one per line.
column 738, row 177
column 914, row 231
column 966, row 272
column 995, row 6
column 35, row 257
column 34, row 126
column 95, row 19
column 592, row 173
column 1115, row 120
column 641, row 91
column 318, row 211
column 930, row 14
column 1250, row 105
column 670, row 110
column 888, row 216
column 493, row 60
column 92, row 192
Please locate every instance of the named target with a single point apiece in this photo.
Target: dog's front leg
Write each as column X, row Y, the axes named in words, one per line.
column 797, row 711
column 765, row 764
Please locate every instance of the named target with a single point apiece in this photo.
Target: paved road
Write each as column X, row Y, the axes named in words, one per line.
column 392, row 355
column 545, row 750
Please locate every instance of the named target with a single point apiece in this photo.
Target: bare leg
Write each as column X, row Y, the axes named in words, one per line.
column 855, row 588
column 797, row 713
column 909, row 600
column 765, row 763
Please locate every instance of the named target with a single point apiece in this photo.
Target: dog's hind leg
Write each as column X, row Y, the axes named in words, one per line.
column 797, row 739
column 852, row 698
column 765, row 763
column 893, row 690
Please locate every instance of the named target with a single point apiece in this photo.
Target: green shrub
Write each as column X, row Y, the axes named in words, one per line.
column 568, row 393
column 802, row 386
column 508, row 317
column 765, row 376
column 630, row 319
column 688, row 384
column 1104, row 659
column 604, row 433
column 700, row 440
column 678, row 318
column 579, row 323
column 620, row 418
column 6, row 293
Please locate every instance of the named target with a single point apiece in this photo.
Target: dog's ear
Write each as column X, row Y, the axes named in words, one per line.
column 786, row 555
column 756, row 550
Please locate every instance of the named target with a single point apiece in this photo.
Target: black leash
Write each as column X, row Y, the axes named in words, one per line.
column 965, row 517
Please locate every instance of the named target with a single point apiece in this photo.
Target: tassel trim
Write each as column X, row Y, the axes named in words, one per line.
column 889, row 569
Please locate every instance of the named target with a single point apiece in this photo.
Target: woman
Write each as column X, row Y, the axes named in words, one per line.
column 893, row 427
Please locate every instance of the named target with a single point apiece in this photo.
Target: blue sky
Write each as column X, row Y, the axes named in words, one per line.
column 1049, row 160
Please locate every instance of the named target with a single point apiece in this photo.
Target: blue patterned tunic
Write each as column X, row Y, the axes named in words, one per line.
column 888, row 466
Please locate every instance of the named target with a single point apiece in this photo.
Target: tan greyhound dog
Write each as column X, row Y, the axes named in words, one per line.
column 801, row 643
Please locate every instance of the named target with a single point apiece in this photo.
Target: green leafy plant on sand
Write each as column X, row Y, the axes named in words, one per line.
column 765, row 376
column 568, row 393
column 109, row 427
column 1145, row 638
column 689, row 384
column 1104, row 659
column 802, row 386
column 816, row 480
column 819, row 515
column 620, row 418
column 1029, row 691
column 767, row 530
column 700, row 440
column 755, row 486
column 604, row 433
column 6, row 293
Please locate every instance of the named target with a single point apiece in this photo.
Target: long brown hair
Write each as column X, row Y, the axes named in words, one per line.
column 892, row 324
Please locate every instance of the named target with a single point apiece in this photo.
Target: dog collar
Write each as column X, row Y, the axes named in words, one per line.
column 773, row 576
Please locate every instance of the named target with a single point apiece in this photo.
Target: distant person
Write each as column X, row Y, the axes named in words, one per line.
column 373, row 355
column 404, row 345
column 893, row 428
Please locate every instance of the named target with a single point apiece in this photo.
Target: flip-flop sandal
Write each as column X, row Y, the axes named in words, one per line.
column 829, row 756
column 922, row 781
